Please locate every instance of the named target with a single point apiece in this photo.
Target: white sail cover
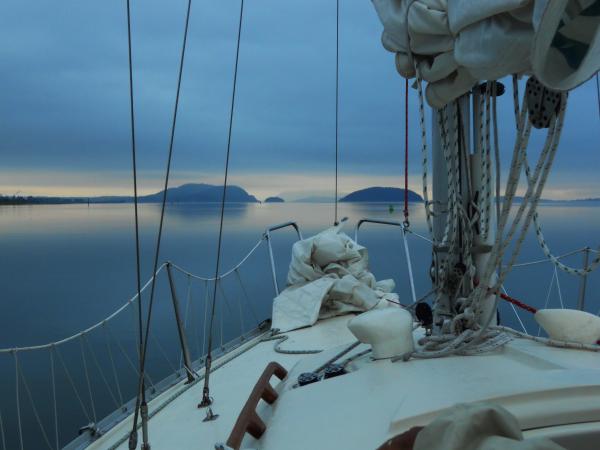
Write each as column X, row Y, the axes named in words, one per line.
column 328, row 276
column 477, row 426
column 456, row 43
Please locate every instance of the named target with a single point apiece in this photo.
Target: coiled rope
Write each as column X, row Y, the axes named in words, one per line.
column 464, row 334
column 538, row 228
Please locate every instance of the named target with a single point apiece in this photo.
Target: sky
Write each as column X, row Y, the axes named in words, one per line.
column 64, row 101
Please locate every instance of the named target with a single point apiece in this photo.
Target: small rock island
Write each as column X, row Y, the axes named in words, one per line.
column 274, row 200
column 381, row 194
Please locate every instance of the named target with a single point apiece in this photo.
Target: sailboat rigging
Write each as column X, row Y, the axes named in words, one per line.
column 339, row 338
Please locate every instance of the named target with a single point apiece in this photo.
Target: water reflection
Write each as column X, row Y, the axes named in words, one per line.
column 64, row 267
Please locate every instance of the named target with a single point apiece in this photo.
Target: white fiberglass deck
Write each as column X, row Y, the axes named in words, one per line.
column 179, row 424
column 551, row 391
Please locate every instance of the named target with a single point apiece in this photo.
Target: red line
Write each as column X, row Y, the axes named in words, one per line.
column 510, row 299
column 518, row 303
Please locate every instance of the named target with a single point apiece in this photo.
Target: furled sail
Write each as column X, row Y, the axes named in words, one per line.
column 453, row 44
column 328, row 276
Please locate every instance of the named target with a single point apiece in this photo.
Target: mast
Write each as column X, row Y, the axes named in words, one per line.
column 471, row 187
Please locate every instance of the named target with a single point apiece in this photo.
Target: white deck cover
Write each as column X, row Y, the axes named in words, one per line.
column 542, row 386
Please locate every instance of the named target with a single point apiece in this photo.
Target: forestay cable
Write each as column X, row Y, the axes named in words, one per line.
column 598, row 93
column 406, row 222
column 206, row 400
column 141, row 401
column 135, row 194
column 337, row 102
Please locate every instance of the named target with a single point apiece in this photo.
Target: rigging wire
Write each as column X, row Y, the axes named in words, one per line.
column 135, row 193
column 206, row 400
column 598, row 93
column 337, row 103
column 406, row 222
column 141, row 400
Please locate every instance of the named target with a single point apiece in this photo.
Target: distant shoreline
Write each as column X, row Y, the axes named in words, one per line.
column 206, row 193
column 574, row 203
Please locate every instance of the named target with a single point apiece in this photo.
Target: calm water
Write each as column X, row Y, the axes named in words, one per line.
column 64, row 268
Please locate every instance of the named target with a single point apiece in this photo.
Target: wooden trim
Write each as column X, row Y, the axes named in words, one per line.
column 249, row 421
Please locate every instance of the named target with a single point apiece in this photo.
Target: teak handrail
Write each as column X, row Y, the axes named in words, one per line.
column 249, row 421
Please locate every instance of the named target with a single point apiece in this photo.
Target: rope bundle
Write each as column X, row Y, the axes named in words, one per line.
column 466, row 330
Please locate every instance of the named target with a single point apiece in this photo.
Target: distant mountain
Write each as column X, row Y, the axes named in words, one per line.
column 186, row 193
column 274, row 200
column 585, row 200
column 577, row 201
column 200, row 192
column 381, row 194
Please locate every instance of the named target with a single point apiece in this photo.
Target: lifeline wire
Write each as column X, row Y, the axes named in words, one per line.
column 206, row 401
column 141, row 389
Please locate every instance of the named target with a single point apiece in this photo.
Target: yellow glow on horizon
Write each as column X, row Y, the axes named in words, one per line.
column 261, row 185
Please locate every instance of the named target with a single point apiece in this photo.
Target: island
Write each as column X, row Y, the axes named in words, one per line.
column 381, row 194
column 274, row 200
column 186, row 193
column 200, row 192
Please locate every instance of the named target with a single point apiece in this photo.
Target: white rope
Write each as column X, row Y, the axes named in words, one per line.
column 205, row 317
column 560, row 298
column 128, row 303
column 225, row 274
column 54, row 402
column 101, row 372
column 485, row 198
column 548, row 293
column 548, row 253
column 424, row 152
column 18, row 397
column 471, row 307
column 241, row 314
column 538, row 229
column 195, row 325
column 188, row 297
column 496, row 148
column 36, row 413
column 246, row 297
column 88, row 382
column 546, row 260
column 112, row 365
column 128, row 359
column 550, row 342
column 164, row 353
column 281, row 338
column 87, row 330
column 420, row 236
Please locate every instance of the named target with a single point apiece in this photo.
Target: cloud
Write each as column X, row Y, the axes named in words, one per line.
column 64, row 107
